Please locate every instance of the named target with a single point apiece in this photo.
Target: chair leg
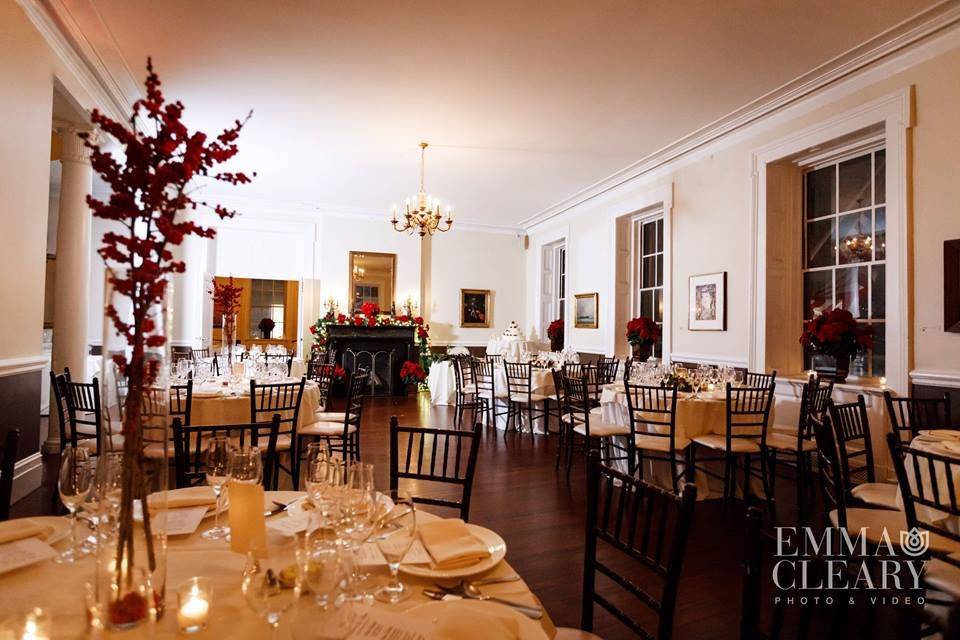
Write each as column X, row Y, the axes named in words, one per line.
column 729, row 480
column 560, row 441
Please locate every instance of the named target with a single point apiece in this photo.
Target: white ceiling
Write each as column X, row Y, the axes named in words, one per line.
column 524, row 102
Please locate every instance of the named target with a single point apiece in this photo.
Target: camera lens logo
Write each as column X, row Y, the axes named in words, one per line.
column 914, row 542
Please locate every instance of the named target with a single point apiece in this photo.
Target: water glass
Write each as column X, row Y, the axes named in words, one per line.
column 395, row 532
column 322, row 567
column 272, row 580
column 75, row 482
column 218, row 472
column 246, row 465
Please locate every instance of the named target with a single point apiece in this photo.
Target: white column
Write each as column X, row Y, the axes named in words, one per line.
column 72, row 287
column 188, row 293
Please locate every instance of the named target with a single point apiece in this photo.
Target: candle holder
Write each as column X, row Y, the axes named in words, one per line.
column 32, row 624
column 194, row 599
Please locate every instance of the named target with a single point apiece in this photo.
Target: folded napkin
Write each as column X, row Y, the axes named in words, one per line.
column 476, row 621
column 451, row 545
column 22, row 528
column 187, row 497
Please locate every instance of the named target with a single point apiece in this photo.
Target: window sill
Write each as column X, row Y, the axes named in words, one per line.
column 866, row 386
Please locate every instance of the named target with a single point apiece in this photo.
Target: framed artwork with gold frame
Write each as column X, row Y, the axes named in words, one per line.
column 475, row 310
column 586, row 311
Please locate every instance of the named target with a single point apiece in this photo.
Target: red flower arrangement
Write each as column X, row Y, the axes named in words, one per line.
column 370, row 309
column 836, row 333
column 555, row 334
column 411, row 372
column 226, row 296
column 149, row 194
column 339, row 373
column 642, row 330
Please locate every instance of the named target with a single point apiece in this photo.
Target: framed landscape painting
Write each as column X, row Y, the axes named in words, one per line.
column 708, row 302
column 475, row 308
column 586, row 310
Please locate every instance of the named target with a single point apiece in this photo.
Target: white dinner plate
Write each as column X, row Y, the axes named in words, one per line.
column 59, row 527
column 495, row 545
column 436, row 611
column 941, row 434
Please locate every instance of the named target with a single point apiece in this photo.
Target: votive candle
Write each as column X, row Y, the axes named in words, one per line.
column 194, row 599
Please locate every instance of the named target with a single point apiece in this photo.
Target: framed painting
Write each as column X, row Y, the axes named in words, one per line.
column 708, row 302
column 586, row 311
column 475, row 308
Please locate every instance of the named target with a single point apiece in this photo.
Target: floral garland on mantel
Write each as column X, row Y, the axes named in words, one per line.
column 370, row 316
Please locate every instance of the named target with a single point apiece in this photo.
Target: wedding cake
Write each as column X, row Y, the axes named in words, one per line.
column 512, row 334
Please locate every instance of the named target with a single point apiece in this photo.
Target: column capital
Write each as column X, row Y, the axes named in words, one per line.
column 72, row 148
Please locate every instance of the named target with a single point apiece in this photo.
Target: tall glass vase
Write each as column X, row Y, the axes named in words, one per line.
column 229, row 339
column 131, row 560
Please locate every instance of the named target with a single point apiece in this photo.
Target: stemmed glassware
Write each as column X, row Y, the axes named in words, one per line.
column 322, row 567
column 396, row 531
column 357, row 515
column 272, row 579
column 695, row 377
column 246, row 465
column 75, row 482
column 218, row 472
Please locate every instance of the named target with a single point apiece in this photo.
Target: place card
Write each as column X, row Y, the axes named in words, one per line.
column 370, row 556
column 180, row 522
column 23, row 553
column 291, row 525
column 372, row 623
column 247, row 523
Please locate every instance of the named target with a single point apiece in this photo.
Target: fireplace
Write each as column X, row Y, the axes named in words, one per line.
column 380, row 350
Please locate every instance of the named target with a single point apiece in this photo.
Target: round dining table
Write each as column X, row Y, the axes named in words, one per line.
column 216, row 402
column 59, row 589
column 697, row 415
column 942, row 442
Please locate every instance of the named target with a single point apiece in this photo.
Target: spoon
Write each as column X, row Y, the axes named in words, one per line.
column 460, row 585
column 535, row 613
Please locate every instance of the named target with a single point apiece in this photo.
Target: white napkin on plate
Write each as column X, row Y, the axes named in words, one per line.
column 186, row 497
column 20, row 528
column 466, row 621
column 451, row 545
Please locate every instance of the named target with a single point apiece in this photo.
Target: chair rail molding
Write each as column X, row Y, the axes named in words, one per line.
column 22, row 364
column 733, row 361
column 895, row 113
column 934, row 378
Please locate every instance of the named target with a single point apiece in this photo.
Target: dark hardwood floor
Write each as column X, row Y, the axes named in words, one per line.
column 540, row 513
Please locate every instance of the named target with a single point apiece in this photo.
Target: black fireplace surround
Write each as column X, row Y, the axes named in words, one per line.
column 380, row 350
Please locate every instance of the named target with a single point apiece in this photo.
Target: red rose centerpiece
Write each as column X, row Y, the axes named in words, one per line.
column 412, row 373
column 555, row 334
column 836, row 333
column 226, row 301
column 642, row 334
column 147, row 215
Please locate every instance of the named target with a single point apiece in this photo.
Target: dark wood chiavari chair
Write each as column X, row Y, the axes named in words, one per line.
column 757, row 380
column 466, row 389
column 281, row 398
column 342, row 436
column 594, row 377
column 484, row 377
column 271, row 358
column 909, row 415
column 641, row 525
column 322, row 373
column 85, row 418
column 797, row 450
column 628, row 364
column 181, row 401
column 190, row 443
column 200, row 354
column 523, row 402
column 607, row 369
column 653, row 431
column 494, row 359
column 851, row 431
column 8, row 460
column 435, row 457
column 588, row 432
column 748, row 414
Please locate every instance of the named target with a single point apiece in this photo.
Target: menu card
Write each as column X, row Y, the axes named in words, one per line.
column 372, row 623
column 180, row 522
column 22, row 553
column 247, row 523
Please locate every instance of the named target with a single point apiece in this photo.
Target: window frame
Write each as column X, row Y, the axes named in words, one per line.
column 638, row 223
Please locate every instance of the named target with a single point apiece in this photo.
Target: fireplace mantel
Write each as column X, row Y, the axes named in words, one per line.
column 382, row 350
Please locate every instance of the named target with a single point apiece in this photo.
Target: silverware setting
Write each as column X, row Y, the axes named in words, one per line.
column 470, row 591
column 279, row 508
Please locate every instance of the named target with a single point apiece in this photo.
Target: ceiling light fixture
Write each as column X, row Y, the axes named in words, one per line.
column 422, row 212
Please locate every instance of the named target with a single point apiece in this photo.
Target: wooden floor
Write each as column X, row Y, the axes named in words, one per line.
column 540, row 515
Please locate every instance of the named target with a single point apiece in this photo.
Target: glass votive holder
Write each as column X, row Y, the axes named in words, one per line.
column 32, row 624
column 194, row 599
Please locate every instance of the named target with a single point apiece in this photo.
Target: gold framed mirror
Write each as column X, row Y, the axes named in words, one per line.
column 373, row 278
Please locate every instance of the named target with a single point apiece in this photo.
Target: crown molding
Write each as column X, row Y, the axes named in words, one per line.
column 919, row 27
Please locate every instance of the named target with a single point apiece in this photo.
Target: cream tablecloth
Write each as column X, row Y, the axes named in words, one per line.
column 232, row 406
column 946, row 447
column 442, row 382
column 59, row 589
column 541, row 382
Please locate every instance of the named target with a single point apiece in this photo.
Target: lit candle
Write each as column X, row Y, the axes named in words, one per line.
column 194, row 599
column 28, row 625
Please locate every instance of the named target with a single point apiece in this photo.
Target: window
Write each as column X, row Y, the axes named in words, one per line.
column 845, row 247
column 267, row 298
column 561, row 281
column 553, row 285
column 647, row 271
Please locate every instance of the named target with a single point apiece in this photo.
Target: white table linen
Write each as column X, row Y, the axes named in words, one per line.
column 232, row 406
column 541, row 382
column 59, row 589
column 442, row 382
column 948, row 449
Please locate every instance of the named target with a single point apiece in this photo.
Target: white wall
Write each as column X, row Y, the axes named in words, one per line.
column 469, row 259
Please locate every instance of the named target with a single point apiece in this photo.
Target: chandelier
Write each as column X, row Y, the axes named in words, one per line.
column 860, row 245
column 422, row 212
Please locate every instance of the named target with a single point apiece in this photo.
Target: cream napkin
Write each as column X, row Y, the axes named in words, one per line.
column 451, row 545
column 475, row 621
column 13, row 530
column 186, row 497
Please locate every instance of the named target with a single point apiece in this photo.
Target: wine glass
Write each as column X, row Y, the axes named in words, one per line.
column 357, row 514
column 272, row 580
column 738, row 378
column 102, row 504
column 322, row 478
column 696, row 379
column 218, row 472
column 246, row 465
column 322, row 567
column 396, row 531
column 75, row 482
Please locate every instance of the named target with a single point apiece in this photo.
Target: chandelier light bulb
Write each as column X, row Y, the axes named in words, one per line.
column 424, row 216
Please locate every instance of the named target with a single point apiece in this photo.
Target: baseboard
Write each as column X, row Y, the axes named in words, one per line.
column 27, row 476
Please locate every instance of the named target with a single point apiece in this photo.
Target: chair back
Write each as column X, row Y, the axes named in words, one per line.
column 653, row 412
column 280, row 357
column 353, row 413
column 833, row 479
column 58, row 389
column 463, row 373
column 909, row 415
column 190, row 443
column 754, row 379
column 494, row 358
column 607, row 369
column 200, row 354
column 748, row 412
column 8, row 460
column 814, row 397
column 444, row 456
column 322, row 374
column 628, row 365
column 593, row 376
column 518, row 378
column 640, row 525
column 83, row 408
column 483, row 373
column 277, row 398
column 851, row 429
column 181, row 401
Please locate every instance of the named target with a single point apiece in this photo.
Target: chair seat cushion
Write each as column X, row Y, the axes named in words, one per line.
column 650, row 442
column 325, row 429
column 880, row 494
column 572, row 418
column 569, row 633
column 469, row 389
column 737, row 445
column 602, row 430
column 108, row 443
column 944, row 576
column 782, row 441
column 330, row 416
column 873, row 522
column 523, row 398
